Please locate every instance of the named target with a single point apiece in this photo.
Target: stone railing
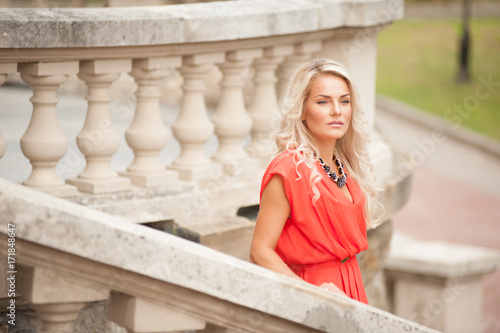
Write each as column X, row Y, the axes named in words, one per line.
column 65, row 257
column 94, row 3
column 433, row 282
column 251, row 45
column 265, row 38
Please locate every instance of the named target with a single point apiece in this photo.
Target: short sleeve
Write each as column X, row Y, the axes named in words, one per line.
column 284, row 166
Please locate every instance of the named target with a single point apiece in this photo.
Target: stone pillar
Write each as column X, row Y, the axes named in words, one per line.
column 302, row 52
column 232, row 123
column 44, row 142
column 98, row 140
column 58, row 317
column 264, row 106
column 147, row 135
column 437, row 284
column 57, row 299
column 193, row 128
column 358, row 52
column 137, row 315
column 5, row 69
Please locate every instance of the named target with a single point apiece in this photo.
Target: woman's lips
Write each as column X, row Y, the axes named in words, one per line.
column 336, row 123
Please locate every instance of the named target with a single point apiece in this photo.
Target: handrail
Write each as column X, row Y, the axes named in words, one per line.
column 192, row 23
column 74, row 240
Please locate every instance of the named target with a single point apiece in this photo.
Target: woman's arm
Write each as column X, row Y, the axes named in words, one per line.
column 273, row 213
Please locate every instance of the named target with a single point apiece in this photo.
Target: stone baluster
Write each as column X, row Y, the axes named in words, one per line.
column 3, row 145
column 193, row 128
column 56, row 299
column 58, row 317
column 137, row 315
column 302, row 52
column 5, row 69
column 232, row 123
column 147, row 134
column 98, row 140
column 264, row 106
column 44, row 142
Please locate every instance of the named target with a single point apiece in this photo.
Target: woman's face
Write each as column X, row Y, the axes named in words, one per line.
column 328, row 108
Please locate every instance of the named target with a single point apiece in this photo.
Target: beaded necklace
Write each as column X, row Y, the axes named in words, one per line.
column 341, row 179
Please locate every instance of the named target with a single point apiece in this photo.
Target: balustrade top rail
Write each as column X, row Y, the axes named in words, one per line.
column 193, row 23
column 85, row 233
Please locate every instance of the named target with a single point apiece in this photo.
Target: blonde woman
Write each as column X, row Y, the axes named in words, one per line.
column 317, row 192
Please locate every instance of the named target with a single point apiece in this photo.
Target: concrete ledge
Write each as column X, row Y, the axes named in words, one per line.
column 230, row 235
column 173, row 24
column 69, row 231
column 437, row 284
column 440, row 259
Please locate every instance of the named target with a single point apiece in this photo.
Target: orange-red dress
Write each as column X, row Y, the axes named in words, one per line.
column 319, row 240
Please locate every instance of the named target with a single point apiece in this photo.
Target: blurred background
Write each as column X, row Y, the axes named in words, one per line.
column 455, row 196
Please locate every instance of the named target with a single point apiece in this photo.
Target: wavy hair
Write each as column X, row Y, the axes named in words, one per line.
column 293, row 135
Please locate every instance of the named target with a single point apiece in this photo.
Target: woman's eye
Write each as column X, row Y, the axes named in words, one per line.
column 345, row 101
column 322, row 102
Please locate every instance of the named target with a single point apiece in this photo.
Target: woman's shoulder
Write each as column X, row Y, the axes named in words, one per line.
column 283, row 159
column 285, row 163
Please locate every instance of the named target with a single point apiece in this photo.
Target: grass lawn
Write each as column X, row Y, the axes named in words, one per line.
column 418, row 64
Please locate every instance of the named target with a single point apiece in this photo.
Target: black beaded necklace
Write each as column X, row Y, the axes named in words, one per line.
column 341, row 179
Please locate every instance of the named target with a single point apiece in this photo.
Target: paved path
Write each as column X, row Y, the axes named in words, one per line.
column 456, row 189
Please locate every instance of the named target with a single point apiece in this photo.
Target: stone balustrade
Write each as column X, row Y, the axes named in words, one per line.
column 265, row 38
column 156, row 282
column 252, row 45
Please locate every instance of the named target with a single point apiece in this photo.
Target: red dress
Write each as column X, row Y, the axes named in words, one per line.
column 319, row 240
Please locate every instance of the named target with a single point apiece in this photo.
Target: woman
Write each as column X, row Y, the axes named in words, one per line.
column 316, row 193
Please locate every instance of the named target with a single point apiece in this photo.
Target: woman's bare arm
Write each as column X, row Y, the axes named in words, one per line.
column 273, row 213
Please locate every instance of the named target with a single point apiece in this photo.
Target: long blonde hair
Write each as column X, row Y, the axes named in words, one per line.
column 294, row 136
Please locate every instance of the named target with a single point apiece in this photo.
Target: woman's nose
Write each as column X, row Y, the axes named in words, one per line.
column 335, row 109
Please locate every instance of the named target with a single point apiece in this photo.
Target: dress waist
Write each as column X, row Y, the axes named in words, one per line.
column 321, row 265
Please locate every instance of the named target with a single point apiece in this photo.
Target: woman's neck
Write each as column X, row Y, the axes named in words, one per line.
column 326, row 151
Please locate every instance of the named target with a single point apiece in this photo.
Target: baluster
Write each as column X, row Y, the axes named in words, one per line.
column 3, row 145
column 44, row 142
column 58, row 317
column 5, row 69
column 149, row 316
column 302, row 52
column 147, row 135
column 264, row 106
column 193, row 128
column 56, row 298
column 98, row 140
column 232, row 123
